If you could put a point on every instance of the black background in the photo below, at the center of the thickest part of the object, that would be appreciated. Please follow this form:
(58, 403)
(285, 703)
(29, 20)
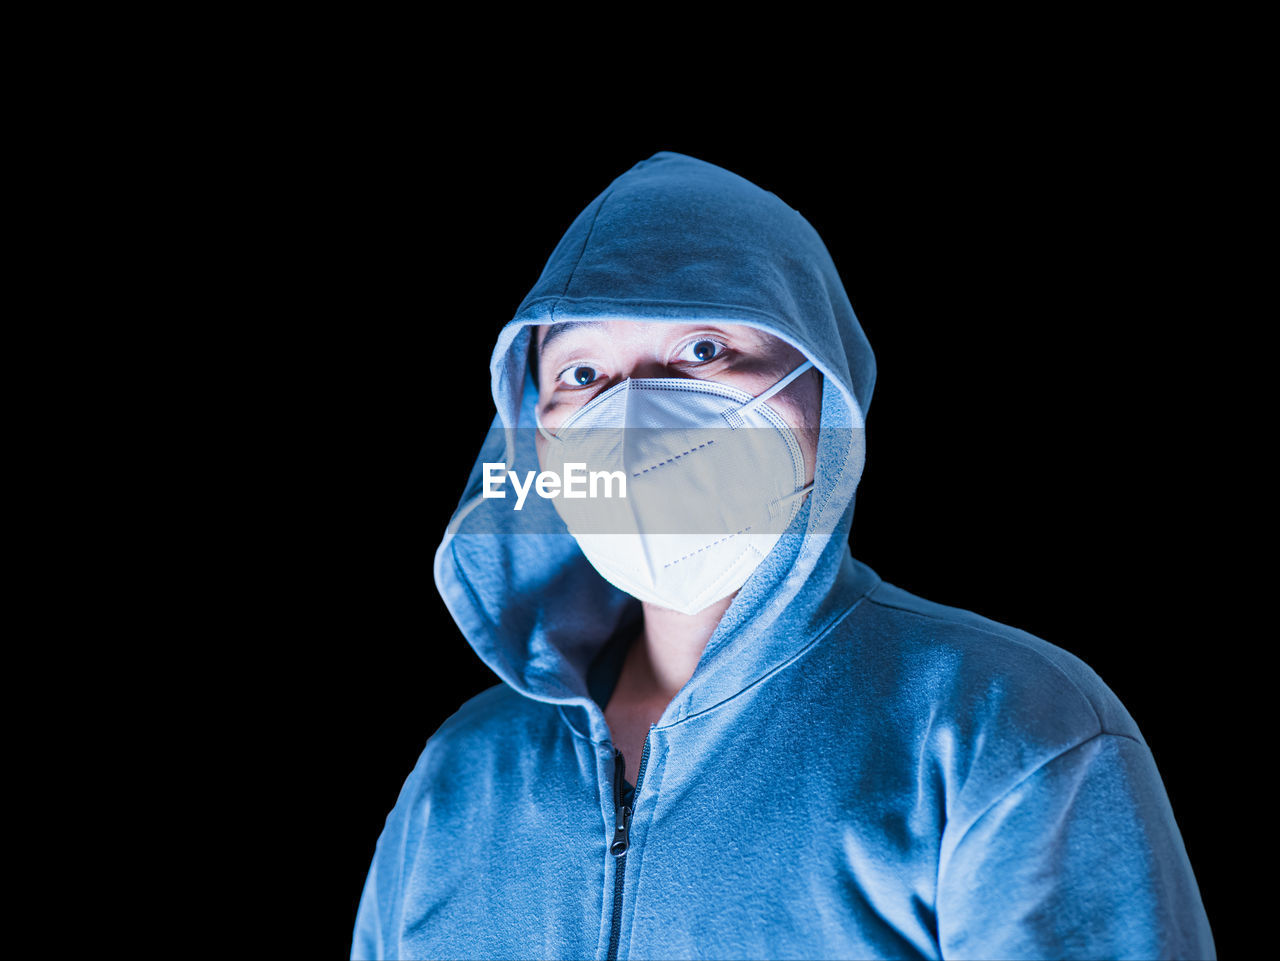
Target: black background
(1022, 271)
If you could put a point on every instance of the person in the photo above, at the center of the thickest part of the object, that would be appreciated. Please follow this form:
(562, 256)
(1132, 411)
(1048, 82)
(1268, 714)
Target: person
(716, 733)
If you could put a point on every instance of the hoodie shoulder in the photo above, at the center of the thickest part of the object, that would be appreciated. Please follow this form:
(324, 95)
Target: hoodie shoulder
(1033, 677)
(978, 706)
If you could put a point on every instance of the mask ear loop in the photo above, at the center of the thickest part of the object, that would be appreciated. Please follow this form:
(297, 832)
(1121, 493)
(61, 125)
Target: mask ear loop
(774, 507)
(542, 430)
(735, 417)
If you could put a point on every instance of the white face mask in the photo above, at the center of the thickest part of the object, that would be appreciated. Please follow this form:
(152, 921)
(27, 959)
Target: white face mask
(713, 478)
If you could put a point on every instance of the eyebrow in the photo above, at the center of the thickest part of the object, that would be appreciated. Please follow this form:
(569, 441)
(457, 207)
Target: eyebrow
(555, 330)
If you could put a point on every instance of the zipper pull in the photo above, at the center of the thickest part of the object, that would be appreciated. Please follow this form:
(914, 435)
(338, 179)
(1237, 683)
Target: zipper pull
(622, 830)
(621, 841)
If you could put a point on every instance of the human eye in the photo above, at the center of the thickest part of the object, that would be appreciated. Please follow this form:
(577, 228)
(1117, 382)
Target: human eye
(578, 375)
(701, 350)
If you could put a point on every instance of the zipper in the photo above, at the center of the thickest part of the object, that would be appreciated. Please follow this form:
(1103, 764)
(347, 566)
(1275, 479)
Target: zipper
(622, 837)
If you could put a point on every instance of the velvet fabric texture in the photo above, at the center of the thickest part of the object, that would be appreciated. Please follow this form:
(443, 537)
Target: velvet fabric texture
(851, 771)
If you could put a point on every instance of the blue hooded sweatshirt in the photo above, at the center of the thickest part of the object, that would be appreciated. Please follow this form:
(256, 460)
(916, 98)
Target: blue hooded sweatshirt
(850, 772)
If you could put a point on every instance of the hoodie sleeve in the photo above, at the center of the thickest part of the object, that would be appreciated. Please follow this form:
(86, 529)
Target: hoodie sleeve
(1080, 859)
(379, 916)
(367, 940)
(379, 909)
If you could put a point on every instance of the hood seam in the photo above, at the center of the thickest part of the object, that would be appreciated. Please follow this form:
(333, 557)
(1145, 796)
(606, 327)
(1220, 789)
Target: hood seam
(581, 253)
(822, 635)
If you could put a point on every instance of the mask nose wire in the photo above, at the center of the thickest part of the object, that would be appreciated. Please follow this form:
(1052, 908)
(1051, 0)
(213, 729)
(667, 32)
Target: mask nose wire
(734, 417)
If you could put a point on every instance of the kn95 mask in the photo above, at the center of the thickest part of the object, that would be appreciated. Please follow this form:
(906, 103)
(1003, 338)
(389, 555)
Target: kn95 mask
(713, 477)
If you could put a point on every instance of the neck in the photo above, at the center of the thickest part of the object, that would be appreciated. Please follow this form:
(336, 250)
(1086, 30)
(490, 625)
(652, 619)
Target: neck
(670, 645)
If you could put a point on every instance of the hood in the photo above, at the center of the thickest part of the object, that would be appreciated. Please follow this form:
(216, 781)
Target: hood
(673, 239)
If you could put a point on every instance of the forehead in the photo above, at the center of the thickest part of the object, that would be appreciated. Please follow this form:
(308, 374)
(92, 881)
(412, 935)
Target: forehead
(547, 334)
(566, 334)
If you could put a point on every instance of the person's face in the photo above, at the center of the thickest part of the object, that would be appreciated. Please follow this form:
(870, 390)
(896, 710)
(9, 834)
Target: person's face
(579, 360)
